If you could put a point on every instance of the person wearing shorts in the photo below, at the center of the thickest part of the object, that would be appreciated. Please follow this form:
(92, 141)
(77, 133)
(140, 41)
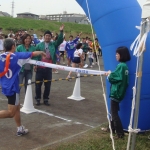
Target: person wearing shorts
(70, 48)
(78, 54)
(10, 66)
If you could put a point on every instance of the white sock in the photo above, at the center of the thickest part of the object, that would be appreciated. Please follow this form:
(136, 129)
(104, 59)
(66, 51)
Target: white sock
(19, 128)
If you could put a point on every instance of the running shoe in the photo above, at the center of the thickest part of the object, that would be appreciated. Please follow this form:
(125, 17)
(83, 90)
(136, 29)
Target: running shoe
(85, 66)
(56, 71)
(69, 78)
(22, 131)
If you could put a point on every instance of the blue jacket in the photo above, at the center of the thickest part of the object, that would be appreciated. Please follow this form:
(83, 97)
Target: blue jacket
(70, 45)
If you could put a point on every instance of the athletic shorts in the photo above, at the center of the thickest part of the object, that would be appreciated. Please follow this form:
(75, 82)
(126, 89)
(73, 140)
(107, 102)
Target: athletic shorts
(76, 60)
(70, 56)
(13, 99)
(62, 53)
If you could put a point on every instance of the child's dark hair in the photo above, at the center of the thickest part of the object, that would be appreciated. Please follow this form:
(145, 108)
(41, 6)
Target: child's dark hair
(124, 54)
(78, 45)
(8, 43)
(71, 36)
(96, 39)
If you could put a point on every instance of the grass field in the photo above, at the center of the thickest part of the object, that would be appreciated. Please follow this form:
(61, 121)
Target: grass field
(98, 140)
(39, 26)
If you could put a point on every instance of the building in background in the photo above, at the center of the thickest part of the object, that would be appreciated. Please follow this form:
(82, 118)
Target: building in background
(4, 14)
(28, 15)
(67, 17)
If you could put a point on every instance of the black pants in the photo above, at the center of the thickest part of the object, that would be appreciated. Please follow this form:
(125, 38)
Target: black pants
(43, 74)
(95, 56)
(85, 57)
(100, 52)
(116, 124)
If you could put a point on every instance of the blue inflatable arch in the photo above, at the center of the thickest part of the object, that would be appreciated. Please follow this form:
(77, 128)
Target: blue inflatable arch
(114, 22)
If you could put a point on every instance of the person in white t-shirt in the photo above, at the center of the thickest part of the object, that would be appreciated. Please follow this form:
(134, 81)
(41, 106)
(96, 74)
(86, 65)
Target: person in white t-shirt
(11, 34)
(78, 55)
(62, 50)
(41, 39)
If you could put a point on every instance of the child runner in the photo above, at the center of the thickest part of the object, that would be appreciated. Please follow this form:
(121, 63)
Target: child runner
(10, 65)
(77, 58)
(119, 80)
(70, 48)
(90, 56)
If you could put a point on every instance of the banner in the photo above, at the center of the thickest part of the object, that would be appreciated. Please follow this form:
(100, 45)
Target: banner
(59, 67)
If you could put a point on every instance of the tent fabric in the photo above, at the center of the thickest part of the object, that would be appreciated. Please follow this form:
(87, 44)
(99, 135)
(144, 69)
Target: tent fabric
(146, 10)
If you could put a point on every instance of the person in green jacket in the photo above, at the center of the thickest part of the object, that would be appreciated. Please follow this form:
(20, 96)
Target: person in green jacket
(27, 70)
(119, 80)
(43, 73)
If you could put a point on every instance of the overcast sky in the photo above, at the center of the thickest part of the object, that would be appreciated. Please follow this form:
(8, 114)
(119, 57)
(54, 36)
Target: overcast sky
(43, 7)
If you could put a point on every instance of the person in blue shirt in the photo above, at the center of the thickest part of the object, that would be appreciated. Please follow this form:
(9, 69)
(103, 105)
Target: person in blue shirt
(10, 66)
(70, 48)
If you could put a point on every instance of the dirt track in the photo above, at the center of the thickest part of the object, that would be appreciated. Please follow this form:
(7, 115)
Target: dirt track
(63, 119)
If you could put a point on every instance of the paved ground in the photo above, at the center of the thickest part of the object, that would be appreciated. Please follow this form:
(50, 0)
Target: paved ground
(63, 119)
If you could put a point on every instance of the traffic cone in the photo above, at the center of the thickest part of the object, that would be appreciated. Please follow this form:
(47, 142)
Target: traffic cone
(76, 92)
(28, 102)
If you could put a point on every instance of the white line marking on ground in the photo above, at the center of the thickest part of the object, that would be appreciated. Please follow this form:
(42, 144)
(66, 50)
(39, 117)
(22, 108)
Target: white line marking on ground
(49, 114)
(52, 115)
(44, 112)
(63, 118)
(84, 124)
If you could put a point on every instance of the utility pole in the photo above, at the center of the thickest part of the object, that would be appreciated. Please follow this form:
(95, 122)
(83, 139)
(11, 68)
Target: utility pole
(12, 9)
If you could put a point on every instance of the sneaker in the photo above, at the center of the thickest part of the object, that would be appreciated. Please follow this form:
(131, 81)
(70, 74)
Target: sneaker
(56, 71)
(22, 131)
(63, 63)
(38, 102)
(46, 103)
(93, 64)
(85, 66)
(69, 78)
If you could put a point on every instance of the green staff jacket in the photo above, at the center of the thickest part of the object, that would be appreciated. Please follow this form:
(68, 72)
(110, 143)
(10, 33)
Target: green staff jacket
(119, 80)
(85, 47)
(52, 47)
(21, 48)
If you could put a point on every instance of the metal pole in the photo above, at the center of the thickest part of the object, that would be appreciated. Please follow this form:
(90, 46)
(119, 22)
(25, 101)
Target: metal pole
(138, 91)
